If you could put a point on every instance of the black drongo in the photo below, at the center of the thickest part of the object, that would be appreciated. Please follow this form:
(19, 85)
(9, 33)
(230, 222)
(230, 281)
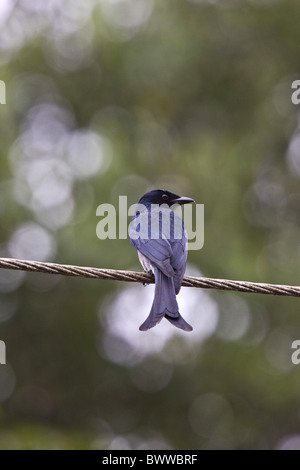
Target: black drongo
(158, 233)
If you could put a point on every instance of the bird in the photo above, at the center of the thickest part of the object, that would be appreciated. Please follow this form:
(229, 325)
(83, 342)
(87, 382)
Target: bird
(159, 236)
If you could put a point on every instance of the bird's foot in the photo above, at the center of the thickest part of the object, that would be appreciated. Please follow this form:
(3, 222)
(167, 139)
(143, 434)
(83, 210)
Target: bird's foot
(147, 271)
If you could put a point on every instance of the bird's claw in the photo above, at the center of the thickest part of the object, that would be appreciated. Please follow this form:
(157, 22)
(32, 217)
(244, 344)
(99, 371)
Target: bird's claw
(147, 271)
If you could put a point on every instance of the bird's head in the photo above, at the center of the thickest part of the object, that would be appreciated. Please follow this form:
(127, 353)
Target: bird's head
(162, 196)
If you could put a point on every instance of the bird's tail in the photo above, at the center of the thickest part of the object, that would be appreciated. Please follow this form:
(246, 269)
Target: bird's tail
(164, 304)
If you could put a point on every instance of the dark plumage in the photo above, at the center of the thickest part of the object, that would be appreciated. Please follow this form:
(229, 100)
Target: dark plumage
(159, 236)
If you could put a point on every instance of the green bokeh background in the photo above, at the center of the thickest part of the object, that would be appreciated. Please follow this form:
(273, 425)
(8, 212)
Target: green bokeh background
(107, 98)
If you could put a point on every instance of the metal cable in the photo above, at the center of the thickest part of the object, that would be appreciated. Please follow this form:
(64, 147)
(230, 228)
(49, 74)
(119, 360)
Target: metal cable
(133, 276)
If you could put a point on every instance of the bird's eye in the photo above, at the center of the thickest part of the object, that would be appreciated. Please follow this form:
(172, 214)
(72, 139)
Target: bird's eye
(165, 197)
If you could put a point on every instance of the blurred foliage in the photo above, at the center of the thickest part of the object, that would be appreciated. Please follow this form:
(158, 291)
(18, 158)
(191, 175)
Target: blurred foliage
(108, 98)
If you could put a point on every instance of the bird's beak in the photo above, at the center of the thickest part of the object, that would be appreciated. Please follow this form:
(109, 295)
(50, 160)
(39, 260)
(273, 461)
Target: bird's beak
(183, 200)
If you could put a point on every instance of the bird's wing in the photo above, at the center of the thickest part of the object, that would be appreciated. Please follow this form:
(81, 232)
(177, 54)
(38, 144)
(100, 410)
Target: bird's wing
(158, 251)
(157, 242)
(178, 262)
